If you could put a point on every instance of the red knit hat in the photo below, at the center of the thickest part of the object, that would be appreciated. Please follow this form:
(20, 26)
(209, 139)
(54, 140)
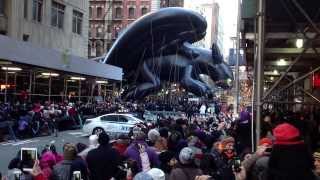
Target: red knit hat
(265, 141)
(286, 134)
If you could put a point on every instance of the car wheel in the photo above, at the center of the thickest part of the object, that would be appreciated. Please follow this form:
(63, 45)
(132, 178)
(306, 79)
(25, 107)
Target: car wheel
(97, 131)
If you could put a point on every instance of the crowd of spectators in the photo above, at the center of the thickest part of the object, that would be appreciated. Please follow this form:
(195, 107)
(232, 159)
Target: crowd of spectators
(216, 147)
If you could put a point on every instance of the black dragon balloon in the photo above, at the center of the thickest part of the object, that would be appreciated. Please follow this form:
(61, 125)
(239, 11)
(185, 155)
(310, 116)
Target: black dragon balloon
(158, 48)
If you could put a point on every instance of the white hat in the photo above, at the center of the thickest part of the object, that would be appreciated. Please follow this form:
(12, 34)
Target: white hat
(153, 135)
(186, 155)
(156, 174)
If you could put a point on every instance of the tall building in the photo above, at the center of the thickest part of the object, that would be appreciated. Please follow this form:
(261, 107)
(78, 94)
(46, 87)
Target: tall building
(210, 10)
(171, 3)
(54, 24)
(108, 18)
(44, 50)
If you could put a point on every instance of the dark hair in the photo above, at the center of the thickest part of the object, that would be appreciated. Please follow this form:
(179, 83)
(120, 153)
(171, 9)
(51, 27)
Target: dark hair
(103, 138)
(165, 158)
(81, 147)
(292, 162)
(208, 166)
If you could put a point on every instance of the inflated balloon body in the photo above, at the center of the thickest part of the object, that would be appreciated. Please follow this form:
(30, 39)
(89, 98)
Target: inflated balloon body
(157, 47)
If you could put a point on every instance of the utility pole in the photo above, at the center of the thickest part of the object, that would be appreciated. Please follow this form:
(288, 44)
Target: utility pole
(259, 68)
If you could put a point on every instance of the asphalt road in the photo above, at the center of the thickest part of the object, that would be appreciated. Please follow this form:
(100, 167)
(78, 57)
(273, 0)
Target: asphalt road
(8, 150)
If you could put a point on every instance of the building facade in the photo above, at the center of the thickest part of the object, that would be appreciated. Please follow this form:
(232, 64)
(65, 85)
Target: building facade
(108, 18)
(209, 9)
(56, 24)
(171, 3)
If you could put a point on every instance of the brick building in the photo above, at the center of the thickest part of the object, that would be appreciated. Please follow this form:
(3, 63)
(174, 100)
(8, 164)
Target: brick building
(108, 18)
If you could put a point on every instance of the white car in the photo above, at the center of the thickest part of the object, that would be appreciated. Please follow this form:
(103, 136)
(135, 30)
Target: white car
(113, 124)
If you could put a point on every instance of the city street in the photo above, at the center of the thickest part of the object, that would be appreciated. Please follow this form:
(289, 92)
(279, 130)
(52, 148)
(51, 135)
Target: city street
(8, 150)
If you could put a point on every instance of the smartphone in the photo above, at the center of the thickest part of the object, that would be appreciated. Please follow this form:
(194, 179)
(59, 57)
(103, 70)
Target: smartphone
(28, 158)
(237, 164)
(76, 175)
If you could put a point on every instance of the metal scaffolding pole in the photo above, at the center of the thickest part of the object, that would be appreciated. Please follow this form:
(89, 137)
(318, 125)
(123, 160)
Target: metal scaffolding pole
(5, 89)
(50, 80)
(237, 80)
(79, 92)
(308, 43)
(260, 71)
(30, 85)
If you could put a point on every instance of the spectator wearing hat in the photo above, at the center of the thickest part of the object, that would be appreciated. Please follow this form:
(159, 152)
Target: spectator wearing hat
(186, 168)
(290, 158)
(139, 151)
(159, 143)
(257, 163)
(103, 161)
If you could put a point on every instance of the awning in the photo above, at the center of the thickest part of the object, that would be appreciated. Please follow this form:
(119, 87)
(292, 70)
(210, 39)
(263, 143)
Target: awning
(27, 53)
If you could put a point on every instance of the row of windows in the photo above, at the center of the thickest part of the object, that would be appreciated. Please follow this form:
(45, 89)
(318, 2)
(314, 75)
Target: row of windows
(57, 15)
(118, 12)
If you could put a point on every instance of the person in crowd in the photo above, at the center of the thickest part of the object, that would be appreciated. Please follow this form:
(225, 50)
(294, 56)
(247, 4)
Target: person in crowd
(159, 143)
(58, 156)
(290, 158)
(121, 144)
(103, 161)
(63, 170)
(47, 162)
(79, 164)
(139, 151)
(186, 169)
(266, 126)
(168, 162)
(257, 163)
(316, 156)
(93, 143)
(223, 154)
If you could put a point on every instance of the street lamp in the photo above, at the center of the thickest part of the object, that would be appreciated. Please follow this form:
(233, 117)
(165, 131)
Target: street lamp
(282, 62)
(11, 68)
(299, 43)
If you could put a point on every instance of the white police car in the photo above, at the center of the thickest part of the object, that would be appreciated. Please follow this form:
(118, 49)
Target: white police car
(113, 124)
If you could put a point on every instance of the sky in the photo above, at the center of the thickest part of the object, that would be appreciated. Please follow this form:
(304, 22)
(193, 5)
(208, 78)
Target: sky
(229, 12)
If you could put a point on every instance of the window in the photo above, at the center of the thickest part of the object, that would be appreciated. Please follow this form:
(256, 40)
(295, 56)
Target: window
(37, 10)
(144, 11)
(112, 118)
(118, 12)
(99, 12)
(90, 12)
(131, 13)
(57, 15)
(25, 37)
(99, 48)
(25, 9)
(108, 28)
(2, 7)
(99, 32)
(122, 119)
(77, 22)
